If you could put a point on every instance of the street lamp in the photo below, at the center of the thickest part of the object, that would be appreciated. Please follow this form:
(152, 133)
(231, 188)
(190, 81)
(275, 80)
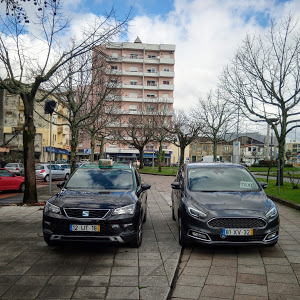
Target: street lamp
(49, 109)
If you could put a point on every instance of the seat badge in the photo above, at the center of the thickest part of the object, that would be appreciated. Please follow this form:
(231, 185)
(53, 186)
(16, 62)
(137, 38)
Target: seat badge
(85, 213)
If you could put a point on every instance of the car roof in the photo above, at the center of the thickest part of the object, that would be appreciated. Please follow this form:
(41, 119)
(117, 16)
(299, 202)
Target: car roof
(212, 164)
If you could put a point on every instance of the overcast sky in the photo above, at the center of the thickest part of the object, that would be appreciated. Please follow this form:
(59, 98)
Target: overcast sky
(206, 33)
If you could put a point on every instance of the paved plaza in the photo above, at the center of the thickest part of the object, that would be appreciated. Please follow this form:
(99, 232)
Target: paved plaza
(29, 269)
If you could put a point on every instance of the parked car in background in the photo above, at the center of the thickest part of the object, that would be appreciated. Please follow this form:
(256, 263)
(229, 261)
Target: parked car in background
(66, 167)
(217, 203)
(209, 159)
(15, 168)
(10, 181)
(42, 171)
(99, 203)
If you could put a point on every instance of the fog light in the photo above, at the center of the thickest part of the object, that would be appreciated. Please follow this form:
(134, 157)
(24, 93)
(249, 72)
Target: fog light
(200, 235)
(271, 235)
(115, 226)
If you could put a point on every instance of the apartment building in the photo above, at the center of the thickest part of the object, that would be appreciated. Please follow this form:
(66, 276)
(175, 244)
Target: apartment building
(12, 120)
(145, 76)
(294, 149)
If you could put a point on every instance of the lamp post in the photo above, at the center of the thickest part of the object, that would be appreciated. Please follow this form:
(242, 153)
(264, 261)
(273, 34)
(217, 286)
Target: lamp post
(49, 109)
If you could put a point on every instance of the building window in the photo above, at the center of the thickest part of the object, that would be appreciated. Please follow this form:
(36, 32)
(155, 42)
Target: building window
(164, 146)
(165, 96)
(151, 70)
(114, 55)
(249, 149)
(165, 108)
(150, 108)
(114, 67)
(151, 83)
(204, 148)
(113, 80)
(150, 147)
(167, 56)
(151, 56)
(166, 69)
(131, 147)
(113, 145)
(166, 82)
(133, 69)
(133, 95)
(151, 95)
(132, 107)
(194, 147)
(133, 82)
(133, 55)
(226, 148)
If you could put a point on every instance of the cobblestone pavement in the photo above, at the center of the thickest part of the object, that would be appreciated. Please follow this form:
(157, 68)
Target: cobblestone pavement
(29, 269)
(244, 273)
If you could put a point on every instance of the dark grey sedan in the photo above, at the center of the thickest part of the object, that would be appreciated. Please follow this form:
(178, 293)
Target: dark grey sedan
(217, 203)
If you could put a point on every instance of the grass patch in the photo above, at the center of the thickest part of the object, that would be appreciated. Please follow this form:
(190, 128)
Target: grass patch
(164, 170)
(274, 169)
(286, 191)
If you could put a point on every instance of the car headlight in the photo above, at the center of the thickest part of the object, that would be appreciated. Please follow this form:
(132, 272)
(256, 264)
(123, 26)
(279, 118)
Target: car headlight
(51, 208)
(125, 210)
(270, 210)
(195, 212)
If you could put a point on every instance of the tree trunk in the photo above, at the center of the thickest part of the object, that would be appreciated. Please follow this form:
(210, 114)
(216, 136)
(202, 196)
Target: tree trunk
(93, 139)
(281, 144)
(215, 149)
(159, 156)
(74, 142)
(141, 157)
(181, 155)
(101, 152)
(30, 194)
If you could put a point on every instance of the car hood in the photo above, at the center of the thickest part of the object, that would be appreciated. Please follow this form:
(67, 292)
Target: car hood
(228, 203)
(80, 199)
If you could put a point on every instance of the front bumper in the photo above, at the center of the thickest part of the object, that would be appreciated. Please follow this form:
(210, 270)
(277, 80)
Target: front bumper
(112, 230)
(199, 231)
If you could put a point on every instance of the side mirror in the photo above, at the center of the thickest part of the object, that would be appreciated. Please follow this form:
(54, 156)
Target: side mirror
(145, 186)
(61, 184)
(264, 185)
(175, 185)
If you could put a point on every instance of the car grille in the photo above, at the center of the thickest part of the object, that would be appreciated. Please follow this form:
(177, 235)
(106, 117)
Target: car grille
(63, 228)
(78, 213)
(237, 223)
(238, 239)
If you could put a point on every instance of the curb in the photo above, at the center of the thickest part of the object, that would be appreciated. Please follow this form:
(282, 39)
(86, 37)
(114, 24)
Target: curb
(285, 202)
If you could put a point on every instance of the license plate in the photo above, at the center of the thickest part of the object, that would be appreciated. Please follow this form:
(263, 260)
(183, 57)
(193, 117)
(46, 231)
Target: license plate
(237, 232)
(90, 228)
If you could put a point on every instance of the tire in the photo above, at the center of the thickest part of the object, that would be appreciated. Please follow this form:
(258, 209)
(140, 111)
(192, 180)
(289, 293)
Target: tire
(67, 176)
(145, 215)
(22, 187)
(46, 179)
(182, 234)
(139, 236)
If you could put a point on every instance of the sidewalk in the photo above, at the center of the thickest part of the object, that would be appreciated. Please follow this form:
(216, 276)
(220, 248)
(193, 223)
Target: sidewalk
(29, 269)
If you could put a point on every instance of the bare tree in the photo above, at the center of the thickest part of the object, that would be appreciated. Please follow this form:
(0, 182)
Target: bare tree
(161, 131)
(185, 130)
(264, 80)
(23, 73)
(215, 118)
(138, 132)
(85, 94)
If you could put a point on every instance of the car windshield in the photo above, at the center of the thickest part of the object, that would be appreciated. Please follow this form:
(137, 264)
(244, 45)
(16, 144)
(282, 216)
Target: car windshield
(101, 179)
(217, 179)
(11, 165)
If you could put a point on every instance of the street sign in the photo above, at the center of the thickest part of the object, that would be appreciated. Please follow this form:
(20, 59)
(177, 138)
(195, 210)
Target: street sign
(87, 151)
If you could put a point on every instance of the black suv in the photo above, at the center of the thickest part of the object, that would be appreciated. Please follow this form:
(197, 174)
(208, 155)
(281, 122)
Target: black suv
(99, 203)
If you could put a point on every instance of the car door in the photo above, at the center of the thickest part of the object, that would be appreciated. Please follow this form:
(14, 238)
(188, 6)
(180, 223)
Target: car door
(143, 194)
(54, 171)
(177, 193)
(60, 172)
(7, 181)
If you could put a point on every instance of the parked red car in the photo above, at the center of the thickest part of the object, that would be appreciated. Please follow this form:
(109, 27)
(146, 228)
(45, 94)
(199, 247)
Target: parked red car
(10, 181)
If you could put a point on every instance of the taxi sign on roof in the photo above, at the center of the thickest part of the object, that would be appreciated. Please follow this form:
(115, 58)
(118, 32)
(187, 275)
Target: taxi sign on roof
(105, 162)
